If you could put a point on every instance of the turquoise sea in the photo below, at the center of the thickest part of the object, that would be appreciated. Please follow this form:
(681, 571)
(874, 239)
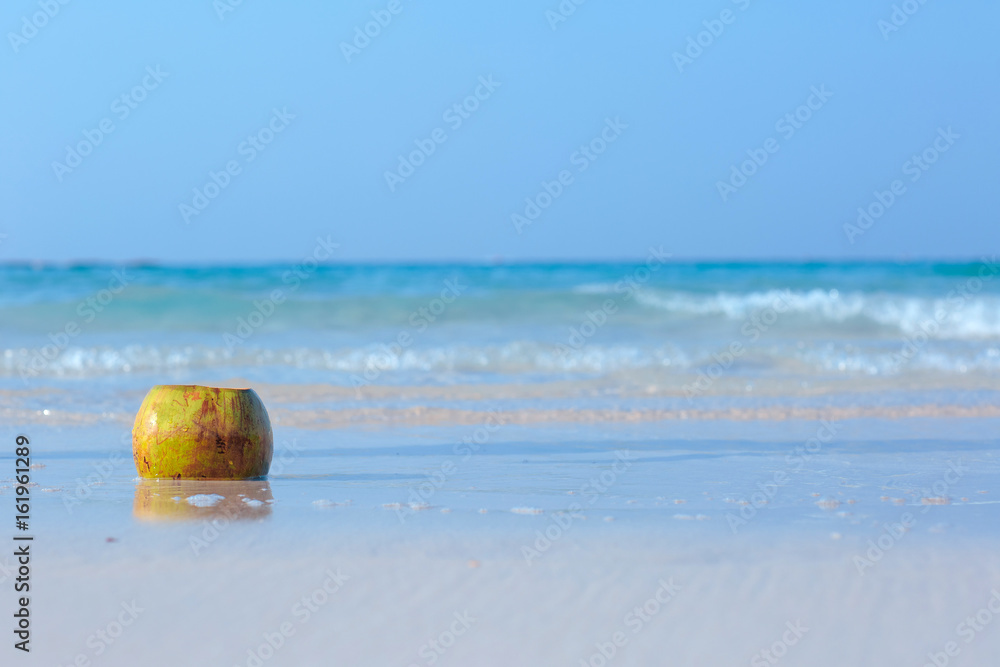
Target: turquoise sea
(457, 323)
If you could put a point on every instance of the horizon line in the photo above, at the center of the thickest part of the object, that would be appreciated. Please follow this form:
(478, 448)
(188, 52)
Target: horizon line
(499, 261)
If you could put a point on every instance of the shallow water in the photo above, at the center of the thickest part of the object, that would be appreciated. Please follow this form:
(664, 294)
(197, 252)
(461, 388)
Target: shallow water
(883, 530)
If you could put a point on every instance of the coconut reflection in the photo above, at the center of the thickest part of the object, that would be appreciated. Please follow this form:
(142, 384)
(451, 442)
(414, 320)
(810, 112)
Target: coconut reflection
(197, 500)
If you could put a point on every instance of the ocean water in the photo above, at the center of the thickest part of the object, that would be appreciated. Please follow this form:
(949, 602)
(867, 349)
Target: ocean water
(498, 396)
(523, 323)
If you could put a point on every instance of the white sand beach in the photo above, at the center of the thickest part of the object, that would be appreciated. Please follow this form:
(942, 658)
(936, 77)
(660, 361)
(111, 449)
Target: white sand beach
(716, 542)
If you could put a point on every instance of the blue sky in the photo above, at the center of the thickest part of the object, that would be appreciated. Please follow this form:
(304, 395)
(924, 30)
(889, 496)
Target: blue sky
(203, 87)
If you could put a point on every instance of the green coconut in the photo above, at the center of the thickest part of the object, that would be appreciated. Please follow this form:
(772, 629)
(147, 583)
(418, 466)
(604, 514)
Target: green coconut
(194, 432)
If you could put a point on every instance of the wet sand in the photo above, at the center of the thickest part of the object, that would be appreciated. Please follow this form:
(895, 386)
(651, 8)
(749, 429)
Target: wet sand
(856, 541)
